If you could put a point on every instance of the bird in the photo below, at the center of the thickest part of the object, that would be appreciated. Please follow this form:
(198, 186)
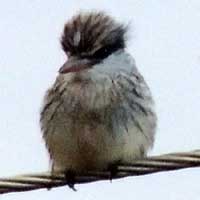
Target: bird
(99, 112)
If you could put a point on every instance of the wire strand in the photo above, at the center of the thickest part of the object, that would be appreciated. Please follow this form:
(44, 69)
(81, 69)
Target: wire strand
(153, 164)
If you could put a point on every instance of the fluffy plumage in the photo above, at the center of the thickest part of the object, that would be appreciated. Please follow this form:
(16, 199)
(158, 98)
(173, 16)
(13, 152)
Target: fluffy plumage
(87, 33)
(102, 114)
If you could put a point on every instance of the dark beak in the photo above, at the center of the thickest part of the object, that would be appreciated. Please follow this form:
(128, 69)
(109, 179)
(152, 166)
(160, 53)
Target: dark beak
(75, 65)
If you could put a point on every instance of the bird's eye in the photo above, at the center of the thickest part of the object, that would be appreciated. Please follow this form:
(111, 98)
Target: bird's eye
(102, 53)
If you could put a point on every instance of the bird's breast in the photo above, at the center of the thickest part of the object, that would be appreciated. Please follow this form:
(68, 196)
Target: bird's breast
(88, 95)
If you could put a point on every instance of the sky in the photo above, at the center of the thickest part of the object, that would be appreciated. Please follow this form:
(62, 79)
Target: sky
(165, 42)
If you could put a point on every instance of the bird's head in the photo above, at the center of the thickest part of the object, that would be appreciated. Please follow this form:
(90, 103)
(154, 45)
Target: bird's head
(89, 38)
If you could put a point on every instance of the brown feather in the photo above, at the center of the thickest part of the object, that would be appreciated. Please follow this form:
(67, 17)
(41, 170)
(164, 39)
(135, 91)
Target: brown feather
(97, 30)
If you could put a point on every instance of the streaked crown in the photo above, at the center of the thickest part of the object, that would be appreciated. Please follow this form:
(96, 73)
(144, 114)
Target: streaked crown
(93, 34)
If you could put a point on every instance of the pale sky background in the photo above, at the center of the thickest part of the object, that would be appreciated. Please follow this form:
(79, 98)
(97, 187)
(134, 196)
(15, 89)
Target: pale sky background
(165, 41)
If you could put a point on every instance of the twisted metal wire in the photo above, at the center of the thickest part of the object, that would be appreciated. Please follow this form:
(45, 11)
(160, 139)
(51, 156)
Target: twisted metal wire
(153, 164)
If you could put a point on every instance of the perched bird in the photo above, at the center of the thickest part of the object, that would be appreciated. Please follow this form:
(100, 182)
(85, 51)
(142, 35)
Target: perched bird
(99, 111)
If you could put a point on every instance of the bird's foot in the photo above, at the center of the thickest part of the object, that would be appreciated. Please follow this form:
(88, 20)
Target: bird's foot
(70, 178)
(112, 168)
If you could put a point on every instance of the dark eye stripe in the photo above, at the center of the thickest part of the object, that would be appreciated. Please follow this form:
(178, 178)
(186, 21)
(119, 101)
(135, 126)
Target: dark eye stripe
(106, 51)
(102, 53)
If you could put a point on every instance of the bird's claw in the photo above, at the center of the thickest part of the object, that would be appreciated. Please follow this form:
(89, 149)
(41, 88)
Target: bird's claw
(113, 170)
(70, 178)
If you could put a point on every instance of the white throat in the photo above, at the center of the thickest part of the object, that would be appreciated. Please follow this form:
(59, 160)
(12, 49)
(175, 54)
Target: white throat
(118, 62)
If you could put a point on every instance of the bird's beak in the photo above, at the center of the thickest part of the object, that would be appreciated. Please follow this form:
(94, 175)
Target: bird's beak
(75, 65)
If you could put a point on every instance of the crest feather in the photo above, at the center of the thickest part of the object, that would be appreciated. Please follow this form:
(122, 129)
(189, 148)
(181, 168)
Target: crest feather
(86, 33)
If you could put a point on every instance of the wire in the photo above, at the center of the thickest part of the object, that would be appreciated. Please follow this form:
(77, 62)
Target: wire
(153, 164)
